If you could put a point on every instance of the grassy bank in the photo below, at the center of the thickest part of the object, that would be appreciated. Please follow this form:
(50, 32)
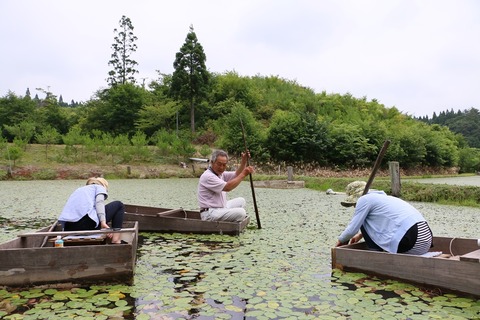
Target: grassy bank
(410, 191)
(38, 163)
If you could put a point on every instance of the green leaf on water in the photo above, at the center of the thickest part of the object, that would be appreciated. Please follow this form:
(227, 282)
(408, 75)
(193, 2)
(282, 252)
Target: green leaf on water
(142, 316)
(57, 305)
(233, 308)
(75, 304)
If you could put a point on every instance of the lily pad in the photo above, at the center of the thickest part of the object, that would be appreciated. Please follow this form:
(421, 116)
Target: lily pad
(280, 271)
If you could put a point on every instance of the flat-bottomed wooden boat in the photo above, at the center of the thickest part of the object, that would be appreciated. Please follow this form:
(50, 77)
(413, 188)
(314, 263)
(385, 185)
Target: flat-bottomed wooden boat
(32, 258)
(179, 220)
(457, 268)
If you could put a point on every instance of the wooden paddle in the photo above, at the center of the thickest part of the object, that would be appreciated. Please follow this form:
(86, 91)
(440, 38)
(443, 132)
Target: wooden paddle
(46, 237)
(376, 166)
(259, 226)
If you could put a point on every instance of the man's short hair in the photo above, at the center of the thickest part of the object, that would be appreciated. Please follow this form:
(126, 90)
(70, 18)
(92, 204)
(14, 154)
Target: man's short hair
(218, 153)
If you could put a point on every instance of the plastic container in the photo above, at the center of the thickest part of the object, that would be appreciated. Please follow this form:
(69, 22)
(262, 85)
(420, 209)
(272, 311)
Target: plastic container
(59, 242)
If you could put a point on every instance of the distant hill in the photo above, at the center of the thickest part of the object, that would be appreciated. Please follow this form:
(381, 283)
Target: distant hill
(466, 123)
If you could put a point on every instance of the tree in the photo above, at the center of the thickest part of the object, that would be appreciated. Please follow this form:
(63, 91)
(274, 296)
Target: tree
(73, 140)
(13, 153)
(140, 146)
(123, 47)
(23, 131)
(36, 99)
(232, 139)
(61, 102)
(161, 113)
(297, 137)
(117, 109)
(14, 110)
(47, 137)
(349, 147)
(50, 113)
(191, 78)
(469, 160)
(152, 118)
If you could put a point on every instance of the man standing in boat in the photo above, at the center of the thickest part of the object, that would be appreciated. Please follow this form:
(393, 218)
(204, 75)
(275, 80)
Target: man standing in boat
(385, 222)
(214, 184)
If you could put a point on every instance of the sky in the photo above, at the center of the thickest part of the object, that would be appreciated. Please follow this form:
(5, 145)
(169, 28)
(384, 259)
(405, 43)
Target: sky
(420, 56)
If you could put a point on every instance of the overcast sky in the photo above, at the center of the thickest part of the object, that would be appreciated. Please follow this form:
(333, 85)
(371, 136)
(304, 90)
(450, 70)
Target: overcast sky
(420, 56)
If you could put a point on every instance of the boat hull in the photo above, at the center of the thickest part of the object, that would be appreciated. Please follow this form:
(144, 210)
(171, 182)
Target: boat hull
(24, 262)
(178, 220)
(457, 269)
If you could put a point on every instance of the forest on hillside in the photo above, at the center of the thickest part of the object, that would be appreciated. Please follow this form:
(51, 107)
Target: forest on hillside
(283, 122)
(193, 110)
(466, 123)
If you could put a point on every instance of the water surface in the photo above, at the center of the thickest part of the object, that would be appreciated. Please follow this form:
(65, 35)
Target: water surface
(280, 271)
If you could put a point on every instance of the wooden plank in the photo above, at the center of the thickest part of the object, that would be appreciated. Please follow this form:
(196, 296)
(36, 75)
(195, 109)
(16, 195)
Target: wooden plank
(134, 209)
(186, 225)
(81, 240)
(72, 233)
(83, 264)
(454, 246)
(471, 256)
(170, 211)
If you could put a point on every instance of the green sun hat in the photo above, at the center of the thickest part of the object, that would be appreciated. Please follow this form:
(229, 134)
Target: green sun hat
(354, 191)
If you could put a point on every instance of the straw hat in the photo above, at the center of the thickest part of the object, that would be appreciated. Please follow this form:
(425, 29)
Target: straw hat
(354, 191)
(99, 181)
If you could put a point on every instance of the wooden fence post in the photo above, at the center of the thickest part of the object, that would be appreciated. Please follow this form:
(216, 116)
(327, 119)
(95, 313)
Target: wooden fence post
(290, 173)
(394, 169)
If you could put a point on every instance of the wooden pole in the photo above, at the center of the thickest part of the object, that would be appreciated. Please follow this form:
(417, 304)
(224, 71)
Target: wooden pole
(289, 173)
(394, 168)
(259, 226)
(49, 230)
(376, 166)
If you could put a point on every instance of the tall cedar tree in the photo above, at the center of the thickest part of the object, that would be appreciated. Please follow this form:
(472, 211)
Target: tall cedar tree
(123, 47)
(191, 78)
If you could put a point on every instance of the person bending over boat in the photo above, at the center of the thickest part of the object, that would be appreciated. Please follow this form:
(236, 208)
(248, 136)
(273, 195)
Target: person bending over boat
(385, 222)
(86, 210)
(214, 184)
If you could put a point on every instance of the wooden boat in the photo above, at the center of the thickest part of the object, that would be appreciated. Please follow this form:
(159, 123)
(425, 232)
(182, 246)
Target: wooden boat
(457, 268)
(179, 220)
(86, 258)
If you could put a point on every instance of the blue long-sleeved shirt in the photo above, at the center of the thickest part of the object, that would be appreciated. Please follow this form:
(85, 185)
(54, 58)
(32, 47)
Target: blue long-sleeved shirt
(386, 219)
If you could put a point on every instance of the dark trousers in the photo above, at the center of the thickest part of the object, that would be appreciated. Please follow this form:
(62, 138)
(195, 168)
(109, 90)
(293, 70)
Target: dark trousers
(407, 242)
(114, 212)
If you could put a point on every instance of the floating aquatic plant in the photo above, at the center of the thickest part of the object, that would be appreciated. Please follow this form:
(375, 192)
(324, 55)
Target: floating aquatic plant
(280, 271)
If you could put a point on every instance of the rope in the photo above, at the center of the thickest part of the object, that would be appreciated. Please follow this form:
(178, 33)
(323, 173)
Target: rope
(450, 246)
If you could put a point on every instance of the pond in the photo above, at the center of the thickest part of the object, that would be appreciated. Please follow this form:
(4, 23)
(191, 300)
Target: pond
(281, 271)
(459, 181)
